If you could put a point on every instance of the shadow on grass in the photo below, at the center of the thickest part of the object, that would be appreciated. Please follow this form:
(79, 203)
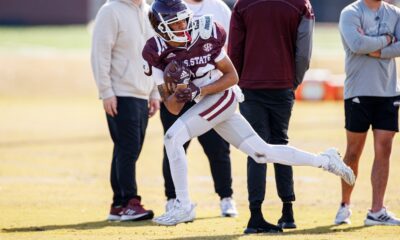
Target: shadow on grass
(79, 226)
(217, 237)
(208, 218)
(324, 230)
(86, 226)
(310, 231)
(102, 224)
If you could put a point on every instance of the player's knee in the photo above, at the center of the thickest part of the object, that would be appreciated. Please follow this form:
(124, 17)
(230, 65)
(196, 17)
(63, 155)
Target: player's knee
(172, 139)
(169, 139)
(177, 135)
(260, 157)
(352, 157)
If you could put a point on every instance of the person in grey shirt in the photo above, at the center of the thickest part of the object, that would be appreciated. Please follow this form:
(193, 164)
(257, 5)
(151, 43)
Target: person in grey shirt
(369, 31)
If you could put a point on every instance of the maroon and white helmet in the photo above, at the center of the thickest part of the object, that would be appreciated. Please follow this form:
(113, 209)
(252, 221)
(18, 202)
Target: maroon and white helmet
(165, 12)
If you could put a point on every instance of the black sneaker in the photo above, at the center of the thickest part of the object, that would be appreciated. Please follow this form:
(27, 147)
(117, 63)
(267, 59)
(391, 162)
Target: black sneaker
(261, 226)
(287, 220)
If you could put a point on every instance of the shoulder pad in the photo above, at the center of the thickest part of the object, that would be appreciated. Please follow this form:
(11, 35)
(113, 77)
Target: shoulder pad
(203, 27)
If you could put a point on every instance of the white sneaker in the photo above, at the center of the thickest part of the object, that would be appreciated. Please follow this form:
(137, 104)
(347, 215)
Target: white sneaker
(338, 167)
(169, 205)
(228, 207)
(382, 217)
(178, 214)
(343, 214)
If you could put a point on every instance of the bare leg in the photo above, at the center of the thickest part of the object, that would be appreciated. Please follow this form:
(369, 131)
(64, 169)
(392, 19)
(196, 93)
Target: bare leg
(355, 146)
(380, 170)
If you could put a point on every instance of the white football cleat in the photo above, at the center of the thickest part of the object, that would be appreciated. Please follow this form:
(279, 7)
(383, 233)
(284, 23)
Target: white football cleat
(338, 167)
(228, 207)
(382, 217)
(178, 214)
(343, 215)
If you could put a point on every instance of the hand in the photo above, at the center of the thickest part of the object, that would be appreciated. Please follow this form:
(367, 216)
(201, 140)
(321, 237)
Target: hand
(390, 38)
(195, 91)
(187, 94)
(361, 31)
(183, 95)
(110, 106)
(376, 54)
(154, 106)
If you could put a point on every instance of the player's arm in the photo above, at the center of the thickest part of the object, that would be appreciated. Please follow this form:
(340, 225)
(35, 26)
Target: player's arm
(228, 79)
(174, 95)
(171, 97)
(393, 50)
(170, 100)
(353, 34)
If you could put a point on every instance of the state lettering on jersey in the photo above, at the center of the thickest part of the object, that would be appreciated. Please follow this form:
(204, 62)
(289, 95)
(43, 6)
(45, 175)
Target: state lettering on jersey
(198, 60)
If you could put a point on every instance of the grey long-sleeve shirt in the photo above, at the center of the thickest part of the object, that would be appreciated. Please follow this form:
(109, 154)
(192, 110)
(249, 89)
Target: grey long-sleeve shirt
(365, 75)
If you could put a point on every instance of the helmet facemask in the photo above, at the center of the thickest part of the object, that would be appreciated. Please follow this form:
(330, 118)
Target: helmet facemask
(164, 30)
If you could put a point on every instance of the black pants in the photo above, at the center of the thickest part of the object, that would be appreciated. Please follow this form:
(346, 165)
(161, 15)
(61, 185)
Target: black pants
(127, 131)
(216, 149)
(268, 112)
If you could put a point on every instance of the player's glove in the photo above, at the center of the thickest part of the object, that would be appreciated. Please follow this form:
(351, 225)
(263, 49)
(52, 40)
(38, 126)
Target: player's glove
(195, 91)
(187, 94)
(183, 95)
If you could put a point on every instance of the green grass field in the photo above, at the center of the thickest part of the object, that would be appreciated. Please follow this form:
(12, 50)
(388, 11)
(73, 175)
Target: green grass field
(55, 156)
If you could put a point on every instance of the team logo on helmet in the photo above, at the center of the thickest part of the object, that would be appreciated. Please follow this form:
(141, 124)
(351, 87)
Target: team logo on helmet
(207, 47)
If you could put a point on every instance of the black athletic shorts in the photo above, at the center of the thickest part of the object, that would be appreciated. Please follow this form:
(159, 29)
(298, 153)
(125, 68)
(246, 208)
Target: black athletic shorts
(380, 112)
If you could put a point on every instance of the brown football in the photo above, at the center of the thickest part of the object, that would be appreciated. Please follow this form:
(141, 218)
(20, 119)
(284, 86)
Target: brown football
(176, 73)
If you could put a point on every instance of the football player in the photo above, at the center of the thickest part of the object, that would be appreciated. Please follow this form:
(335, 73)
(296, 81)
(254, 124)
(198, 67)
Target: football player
(187, 60)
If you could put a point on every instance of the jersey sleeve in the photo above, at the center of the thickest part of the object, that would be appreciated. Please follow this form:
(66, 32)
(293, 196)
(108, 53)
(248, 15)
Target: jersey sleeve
(151, 62)
(219, 39)
(158, 76)
(151, 58)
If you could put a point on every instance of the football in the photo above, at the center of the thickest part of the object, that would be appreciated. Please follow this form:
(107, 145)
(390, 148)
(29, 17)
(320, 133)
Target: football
(176, 73)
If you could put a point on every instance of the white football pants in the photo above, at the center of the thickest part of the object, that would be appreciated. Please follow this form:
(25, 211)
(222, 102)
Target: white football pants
(217, 111)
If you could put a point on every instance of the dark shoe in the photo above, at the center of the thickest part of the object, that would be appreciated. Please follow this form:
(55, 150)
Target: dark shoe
(134, 211)
(287, 219)
(115, 213)
(287, 225)
(261, 226)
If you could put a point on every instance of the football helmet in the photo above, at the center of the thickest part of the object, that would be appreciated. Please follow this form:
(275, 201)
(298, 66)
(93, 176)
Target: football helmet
(165, 12)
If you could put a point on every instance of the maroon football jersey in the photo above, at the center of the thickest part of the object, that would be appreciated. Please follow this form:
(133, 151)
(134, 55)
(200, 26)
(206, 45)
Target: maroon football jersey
(199, 55)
